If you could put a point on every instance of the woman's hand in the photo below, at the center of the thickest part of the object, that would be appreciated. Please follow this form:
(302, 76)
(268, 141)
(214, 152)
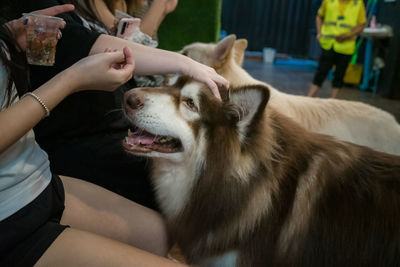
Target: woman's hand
(205, 74)
(318, 37)
(17, 27)
(170, 6)
(344, 37)
(104, 71)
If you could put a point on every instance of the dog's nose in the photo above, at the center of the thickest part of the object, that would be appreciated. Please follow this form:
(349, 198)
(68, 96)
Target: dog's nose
(133, 101)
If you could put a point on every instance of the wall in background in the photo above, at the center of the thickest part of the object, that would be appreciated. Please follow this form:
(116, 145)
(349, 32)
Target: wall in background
(286, 25)
(192, 21)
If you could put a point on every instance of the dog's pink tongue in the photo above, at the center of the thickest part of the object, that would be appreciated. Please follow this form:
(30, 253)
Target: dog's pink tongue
(142, 139)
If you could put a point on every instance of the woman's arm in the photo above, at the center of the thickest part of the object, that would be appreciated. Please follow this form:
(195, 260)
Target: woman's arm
(157, 61)
(318, 22)
(155, 15)
(106, 71)
(18, 119)
(105, 15)
(357, 30)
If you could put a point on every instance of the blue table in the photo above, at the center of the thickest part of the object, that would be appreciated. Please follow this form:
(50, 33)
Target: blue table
(369, 73)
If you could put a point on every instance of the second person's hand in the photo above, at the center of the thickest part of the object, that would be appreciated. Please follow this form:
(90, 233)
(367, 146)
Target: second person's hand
(17, 27)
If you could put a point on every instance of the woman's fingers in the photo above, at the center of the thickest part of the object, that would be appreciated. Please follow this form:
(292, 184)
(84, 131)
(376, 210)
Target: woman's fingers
(122, 61)
(129, 60)
(115, 57)
(221, 81)
(55, 10)
(52, 11)
(214, 88)
(214, 81)
(128, 66)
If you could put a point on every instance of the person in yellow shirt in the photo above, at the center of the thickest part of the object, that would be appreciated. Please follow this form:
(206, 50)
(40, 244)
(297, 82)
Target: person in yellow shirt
(338, 22)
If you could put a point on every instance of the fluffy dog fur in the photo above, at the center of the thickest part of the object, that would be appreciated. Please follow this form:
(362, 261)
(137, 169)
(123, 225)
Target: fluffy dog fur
(242, 185)
(347, 120)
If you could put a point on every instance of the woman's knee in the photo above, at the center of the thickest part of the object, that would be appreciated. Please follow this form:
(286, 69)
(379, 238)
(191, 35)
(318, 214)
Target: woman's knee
(154, 238)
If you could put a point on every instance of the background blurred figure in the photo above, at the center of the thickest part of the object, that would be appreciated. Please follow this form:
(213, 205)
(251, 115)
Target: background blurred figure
(338, 22)
(152, 12)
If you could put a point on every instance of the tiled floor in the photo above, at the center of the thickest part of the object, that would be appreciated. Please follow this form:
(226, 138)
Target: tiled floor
(297, 81)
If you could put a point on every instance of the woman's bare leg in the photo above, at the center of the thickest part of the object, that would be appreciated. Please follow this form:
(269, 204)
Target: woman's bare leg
(313, 90)
(335, 92)
(94, 209)
(79, 248)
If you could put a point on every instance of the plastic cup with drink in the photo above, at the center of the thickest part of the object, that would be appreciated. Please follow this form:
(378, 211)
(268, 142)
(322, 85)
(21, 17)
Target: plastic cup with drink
(42, 32)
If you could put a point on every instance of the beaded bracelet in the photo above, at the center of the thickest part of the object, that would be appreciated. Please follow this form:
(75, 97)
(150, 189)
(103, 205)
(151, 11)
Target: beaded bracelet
(46, 109)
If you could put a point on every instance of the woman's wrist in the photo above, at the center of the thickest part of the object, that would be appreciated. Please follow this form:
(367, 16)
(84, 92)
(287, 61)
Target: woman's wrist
(69, 79)
(183, 64)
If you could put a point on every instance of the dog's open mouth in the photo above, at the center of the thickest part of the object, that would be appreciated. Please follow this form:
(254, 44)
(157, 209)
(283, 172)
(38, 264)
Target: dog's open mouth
(140, 141)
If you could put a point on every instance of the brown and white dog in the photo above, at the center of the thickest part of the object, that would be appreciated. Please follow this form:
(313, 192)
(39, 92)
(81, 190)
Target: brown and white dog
(350, 121)
(242, 185)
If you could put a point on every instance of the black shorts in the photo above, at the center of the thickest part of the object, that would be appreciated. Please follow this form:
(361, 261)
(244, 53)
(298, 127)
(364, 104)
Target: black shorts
(28, 233)
(327, 60)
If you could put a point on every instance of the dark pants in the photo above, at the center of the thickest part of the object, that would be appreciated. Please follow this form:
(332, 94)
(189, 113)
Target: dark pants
(327, 60)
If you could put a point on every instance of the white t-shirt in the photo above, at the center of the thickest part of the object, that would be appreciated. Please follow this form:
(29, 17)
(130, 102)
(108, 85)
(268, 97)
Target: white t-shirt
(24, 167)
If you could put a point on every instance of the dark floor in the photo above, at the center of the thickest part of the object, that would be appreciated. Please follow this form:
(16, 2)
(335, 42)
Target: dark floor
(297, 81)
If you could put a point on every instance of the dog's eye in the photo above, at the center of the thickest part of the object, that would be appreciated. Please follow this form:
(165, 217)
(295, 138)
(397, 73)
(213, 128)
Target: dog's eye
(189, 103)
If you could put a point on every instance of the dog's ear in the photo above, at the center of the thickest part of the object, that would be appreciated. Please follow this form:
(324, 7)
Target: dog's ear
(239, 48)
(246, 105)
(223, 49)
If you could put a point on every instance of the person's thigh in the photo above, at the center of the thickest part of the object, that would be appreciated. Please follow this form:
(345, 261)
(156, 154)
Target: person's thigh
(94, 209)
(80, 248)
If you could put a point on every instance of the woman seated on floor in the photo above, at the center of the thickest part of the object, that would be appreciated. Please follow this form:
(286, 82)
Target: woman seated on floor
(51, 220)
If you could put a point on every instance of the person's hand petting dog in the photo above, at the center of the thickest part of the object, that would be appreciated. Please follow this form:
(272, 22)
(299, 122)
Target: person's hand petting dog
(205, 74)
(18, 27)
